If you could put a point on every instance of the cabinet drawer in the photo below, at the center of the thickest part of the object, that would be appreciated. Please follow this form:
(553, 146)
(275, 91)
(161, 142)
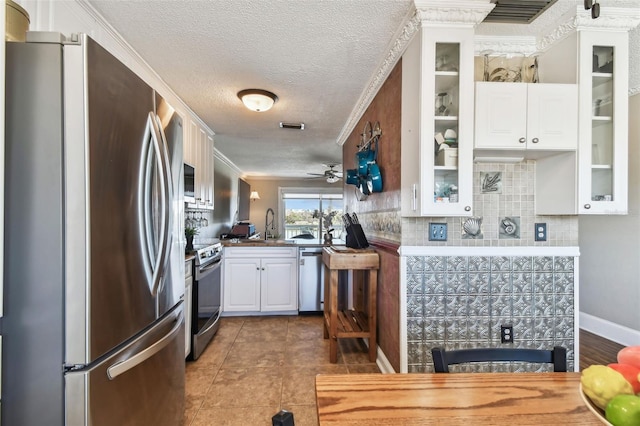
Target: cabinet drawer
(260, 252)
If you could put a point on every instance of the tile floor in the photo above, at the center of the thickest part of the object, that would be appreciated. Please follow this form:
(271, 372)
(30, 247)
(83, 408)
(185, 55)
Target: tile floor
(256, 366)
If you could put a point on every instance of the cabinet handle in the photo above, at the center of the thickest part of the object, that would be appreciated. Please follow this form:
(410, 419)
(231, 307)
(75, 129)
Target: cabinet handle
(258, 268)
(522, 140)
(263, 269)
(535, 140)
(587, 206)
(414, 201)
(467, 208)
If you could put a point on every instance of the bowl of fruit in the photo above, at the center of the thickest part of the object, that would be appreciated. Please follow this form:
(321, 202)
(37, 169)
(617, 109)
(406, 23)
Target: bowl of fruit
(612, 392)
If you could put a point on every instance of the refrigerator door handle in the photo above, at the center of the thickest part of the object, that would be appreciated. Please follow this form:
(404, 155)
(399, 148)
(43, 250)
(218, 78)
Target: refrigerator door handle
(154, 151)
(123, 366)
(162, 153)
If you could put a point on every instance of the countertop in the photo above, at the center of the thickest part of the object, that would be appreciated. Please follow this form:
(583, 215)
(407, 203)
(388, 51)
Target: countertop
(296, 242)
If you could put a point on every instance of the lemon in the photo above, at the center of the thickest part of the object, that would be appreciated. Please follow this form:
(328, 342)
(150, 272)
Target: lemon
(601, 383)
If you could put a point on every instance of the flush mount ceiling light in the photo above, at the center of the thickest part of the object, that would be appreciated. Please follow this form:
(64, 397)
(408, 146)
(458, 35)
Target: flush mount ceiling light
(257, 99)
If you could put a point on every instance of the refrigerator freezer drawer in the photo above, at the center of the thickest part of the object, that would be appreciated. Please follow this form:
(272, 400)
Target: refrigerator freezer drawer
(128, 387)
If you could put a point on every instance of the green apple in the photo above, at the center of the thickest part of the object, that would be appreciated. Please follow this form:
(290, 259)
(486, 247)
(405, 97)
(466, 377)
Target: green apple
(623, 410)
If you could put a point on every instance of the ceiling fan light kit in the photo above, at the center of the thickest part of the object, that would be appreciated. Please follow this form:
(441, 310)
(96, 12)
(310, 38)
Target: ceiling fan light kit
(331, 175)
(257, 100)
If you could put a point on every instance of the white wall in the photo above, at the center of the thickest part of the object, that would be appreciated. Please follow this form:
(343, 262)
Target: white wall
(610, 257)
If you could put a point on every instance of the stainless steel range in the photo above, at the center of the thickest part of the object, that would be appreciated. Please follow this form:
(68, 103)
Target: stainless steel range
(207, 294)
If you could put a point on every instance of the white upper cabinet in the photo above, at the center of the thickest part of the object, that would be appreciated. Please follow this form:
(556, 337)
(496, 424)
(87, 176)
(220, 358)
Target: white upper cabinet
(199, 153)
(437, 123)
(603, 164)
(210, 175)
(526, 116)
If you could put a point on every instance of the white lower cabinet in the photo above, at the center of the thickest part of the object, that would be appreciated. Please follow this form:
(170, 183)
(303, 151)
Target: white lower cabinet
(279, 285)
(242, 285)
(260, 279)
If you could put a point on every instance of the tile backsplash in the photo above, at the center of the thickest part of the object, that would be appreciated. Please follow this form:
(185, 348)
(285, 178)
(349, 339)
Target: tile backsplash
(462, 301)
(514, 201)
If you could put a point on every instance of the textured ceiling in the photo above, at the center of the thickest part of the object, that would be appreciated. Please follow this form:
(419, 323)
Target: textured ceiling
(318, 56)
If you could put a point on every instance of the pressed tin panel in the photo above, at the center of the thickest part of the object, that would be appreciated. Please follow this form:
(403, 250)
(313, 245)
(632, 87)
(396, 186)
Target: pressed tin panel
(462, 301)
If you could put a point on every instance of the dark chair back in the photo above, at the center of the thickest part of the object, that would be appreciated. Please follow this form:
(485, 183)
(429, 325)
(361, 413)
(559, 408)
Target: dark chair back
(443, 358)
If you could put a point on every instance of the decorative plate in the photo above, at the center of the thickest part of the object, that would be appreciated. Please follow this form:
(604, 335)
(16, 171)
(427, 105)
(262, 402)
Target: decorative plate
(599, 413)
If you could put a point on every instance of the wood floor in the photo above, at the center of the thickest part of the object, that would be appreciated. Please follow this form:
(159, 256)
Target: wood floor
(596, 350)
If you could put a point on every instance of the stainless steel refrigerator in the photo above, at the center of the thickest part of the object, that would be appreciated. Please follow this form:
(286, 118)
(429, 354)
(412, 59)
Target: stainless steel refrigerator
(94, 268)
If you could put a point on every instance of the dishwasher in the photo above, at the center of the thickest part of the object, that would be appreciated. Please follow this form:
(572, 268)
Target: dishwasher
(311, 281)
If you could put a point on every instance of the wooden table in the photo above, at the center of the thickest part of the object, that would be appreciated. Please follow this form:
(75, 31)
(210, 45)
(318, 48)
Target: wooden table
(468, 399)
(349, 323)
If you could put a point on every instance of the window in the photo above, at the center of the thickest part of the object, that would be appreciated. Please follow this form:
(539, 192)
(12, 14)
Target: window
(309, 213)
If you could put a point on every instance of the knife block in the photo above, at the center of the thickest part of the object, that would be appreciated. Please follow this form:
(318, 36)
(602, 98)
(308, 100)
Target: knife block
(355, 237)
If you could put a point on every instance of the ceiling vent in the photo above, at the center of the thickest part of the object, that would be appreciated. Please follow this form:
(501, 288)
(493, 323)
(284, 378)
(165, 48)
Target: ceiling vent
(295, 126)
(517, 11)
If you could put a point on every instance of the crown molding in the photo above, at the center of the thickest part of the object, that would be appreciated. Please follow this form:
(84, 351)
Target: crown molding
(622, 19)
(406, 33)
(465, 13)
(504, 45)
(224, 159)
(560, 30)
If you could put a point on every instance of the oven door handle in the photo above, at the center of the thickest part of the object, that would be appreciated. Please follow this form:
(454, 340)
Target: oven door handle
(209, 324)
(209, 268)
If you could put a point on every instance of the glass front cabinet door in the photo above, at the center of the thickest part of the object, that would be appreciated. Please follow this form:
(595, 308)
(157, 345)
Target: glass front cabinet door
(446, 117)
(603, 115)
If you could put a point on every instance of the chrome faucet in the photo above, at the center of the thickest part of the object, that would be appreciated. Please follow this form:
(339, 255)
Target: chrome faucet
(267, 223)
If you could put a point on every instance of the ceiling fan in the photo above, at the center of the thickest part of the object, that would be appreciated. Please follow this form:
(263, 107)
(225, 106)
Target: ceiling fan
(331, 175)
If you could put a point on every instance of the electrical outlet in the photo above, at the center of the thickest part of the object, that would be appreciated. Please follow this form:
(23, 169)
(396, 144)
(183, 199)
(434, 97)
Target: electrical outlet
(506, 334)
(541, 232)
(437, 232)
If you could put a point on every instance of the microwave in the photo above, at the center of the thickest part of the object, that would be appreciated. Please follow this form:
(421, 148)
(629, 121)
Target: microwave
(189, 184)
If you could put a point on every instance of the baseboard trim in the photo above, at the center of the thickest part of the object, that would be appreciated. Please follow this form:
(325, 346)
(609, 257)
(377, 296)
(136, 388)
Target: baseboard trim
(382, 361)
(610, 330)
